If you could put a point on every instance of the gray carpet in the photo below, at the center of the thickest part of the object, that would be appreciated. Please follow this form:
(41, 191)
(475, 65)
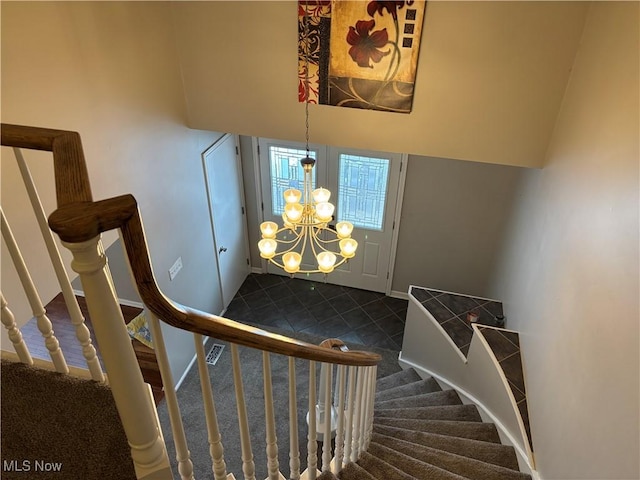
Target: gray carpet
(416, 443)
(51, 418)
(190, 400)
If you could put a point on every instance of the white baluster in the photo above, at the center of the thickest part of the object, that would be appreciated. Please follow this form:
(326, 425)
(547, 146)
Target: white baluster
(77, 319)
(183, 456)
(326, 418)
(248, 466)
(43, 322)
(312, 445)
(371, 388)
(294, 449)
(216, 450)
(348, 453)
(129, 391)
(273, 466)
(9, 322)
(364, 408)
(339, 454)
(357, 414)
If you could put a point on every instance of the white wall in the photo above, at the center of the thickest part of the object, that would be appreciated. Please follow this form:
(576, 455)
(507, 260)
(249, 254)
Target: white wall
(490, 79)
(110, 71)
(454, 216)
(569, 275)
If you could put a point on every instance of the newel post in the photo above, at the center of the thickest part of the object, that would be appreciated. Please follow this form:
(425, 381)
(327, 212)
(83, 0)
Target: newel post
(130, 393)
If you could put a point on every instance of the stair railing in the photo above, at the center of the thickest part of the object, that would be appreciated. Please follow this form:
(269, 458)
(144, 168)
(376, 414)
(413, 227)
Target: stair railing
(77, 319)
(79, 222)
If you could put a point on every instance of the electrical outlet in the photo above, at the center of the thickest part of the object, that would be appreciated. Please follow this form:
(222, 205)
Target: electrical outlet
(175, 268)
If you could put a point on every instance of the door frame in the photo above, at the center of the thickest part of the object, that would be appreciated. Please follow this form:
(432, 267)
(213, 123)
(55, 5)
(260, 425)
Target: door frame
(240, 181)
(397, 210)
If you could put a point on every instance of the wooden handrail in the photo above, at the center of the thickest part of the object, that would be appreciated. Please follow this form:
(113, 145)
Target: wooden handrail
(79, 219)
(70, 169)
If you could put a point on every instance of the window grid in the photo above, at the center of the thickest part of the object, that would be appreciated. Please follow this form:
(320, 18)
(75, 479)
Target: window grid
(286, 172)
(362, 190)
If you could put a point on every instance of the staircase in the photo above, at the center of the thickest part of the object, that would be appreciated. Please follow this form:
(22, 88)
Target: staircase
(423, 432)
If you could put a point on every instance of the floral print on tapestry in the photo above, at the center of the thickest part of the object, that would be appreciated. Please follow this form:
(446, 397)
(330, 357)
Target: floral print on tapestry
(361, 54)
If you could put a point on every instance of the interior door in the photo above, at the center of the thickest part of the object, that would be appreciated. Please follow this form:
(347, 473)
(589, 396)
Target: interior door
(223, 174)
(364, 187)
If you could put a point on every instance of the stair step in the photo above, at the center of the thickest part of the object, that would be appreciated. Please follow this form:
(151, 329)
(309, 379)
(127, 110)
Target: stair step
(485, 432)
(493, 453)
(465, 413)
(467, 467)
(328, 475)
(408, 464)
(380, 469)
(396, 379)
(410, 389)
(445, 397)
(353, 471)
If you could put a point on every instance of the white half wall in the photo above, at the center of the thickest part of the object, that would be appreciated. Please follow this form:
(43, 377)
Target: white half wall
(569, 272)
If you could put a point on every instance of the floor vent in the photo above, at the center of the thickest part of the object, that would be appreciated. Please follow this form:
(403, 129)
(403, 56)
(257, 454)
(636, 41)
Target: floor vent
(214, 353)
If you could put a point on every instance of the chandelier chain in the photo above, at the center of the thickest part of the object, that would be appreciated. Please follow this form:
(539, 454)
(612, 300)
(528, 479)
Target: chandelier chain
(306, 47)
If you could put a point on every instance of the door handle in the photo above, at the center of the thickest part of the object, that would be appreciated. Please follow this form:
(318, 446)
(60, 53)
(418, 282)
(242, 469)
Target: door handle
(222, 250)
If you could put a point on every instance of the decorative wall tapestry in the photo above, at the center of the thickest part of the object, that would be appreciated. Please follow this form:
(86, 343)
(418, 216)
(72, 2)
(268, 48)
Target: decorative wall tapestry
(362, 54)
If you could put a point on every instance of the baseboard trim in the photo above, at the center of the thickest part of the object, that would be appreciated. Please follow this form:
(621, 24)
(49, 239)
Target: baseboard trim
(485, 413)
(121, 301)
(399, 294)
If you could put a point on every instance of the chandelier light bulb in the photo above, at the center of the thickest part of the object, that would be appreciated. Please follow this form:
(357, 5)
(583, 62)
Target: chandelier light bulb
(348, 247)
(268, 229)
(291, 262)
(324, 211)
(293, 212)
(292, 195)
(326, 261)
(267, 247)
(344, 229)
(321, 195)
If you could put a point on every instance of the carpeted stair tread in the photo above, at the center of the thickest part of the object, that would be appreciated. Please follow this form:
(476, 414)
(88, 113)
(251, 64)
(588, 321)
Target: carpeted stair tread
(353, 471)
(485, 432)
(328, 475)
(396, 379)
(464, 413)
(444, 397)
(409, 389)
(494, 453)
(408, 464)
(380, 469)
(50, 416)
(464, 466)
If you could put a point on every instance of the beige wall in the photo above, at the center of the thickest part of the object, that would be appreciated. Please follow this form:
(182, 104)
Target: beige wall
(110, 71)
(490, 79)
(570, 270)
(453, 219)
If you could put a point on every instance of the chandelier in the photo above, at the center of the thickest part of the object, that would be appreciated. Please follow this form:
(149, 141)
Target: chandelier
(306, 218)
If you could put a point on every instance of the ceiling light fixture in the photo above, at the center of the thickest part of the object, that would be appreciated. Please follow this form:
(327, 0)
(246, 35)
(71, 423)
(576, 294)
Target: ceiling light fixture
(307, 216)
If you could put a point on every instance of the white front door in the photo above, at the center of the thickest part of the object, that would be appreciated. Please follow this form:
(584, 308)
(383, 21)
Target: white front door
(364, 188)
(223, 174)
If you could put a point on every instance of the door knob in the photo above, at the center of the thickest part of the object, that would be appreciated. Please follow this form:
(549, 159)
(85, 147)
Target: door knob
(222, 249)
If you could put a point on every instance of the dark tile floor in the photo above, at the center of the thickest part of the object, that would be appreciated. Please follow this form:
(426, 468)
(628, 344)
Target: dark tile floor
(291, 304)
(450, 311)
